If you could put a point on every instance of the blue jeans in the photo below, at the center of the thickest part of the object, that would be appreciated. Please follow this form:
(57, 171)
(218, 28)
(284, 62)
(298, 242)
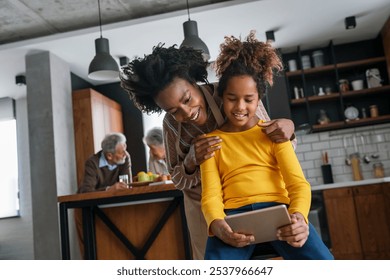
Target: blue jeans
(313, 249)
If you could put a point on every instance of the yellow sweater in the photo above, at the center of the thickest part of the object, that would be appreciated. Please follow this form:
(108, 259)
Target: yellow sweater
(250, 168)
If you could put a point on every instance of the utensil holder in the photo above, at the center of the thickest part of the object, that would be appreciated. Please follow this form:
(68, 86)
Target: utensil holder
(327, 174)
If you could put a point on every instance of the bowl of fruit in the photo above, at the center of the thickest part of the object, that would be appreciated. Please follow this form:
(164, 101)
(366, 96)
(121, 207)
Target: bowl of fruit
(145, 178)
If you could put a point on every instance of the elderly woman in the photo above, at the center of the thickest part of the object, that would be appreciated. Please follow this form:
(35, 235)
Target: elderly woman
(155, 142)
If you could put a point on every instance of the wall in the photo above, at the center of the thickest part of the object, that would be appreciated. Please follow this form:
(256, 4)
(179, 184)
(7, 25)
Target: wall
(311, 146)
(16, 236)
(46, 162)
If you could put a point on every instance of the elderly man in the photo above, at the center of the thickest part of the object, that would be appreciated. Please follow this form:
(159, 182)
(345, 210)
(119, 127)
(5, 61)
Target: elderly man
(103, 169)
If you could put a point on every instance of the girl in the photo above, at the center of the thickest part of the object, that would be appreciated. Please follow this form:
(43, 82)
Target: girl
(249, 171)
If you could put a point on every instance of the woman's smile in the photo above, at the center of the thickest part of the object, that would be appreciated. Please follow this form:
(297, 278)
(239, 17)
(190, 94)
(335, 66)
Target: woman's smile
(184, 101)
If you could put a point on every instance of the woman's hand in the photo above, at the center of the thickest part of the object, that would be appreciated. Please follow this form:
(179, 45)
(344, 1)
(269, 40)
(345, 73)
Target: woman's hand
(223, 231)
(296, 233)
(279, 130)
(202, 148)
(205, 147)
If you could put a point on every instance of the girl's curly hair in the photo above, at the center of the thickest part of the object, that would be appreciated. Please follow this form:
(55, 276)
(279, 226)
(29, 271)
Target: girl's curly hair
(249, 57)
(144, 78)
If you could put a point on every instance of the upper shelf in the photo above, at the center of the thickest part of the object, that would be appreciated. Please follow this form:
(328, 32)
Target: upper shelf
(351, 123)
(336, 95)
(332, 67)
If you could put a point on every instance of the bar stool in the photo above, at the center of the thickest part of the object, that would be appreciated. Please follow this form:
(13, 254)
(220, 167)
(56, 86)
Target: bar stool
(264, 251)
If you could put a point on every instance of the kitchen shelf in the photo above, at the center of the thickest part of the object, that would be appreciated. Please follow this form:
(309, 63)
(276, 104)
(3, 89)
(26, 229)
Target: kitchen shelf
(350, 123)
(325, 68)
(348, 61)
(332, 67)
(336, 95)
(316, 98)
(363, 62)
(367, 91)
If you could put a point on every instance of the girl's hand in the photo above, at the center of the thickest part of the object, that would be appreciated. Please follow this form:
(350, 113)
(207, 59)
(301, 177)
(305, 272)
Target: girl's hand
(296, 233)
(279, 130)
(223, 231)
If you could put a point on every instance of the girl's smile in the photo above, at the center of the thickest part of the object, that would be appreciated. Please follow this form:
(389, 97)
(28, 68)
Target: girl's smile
(240, 101)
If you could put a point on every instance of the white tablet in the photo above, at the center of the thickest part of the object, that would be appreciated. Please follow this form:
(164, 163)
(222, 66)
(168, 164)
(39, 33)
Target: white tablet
(262, 223)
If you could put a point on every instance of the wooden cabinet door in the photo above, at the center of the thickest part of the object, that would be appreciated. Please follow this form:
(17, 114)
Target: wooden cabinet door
(112, 117)
(97, 119)
(94, 115)
(343, 224)
(371, 209)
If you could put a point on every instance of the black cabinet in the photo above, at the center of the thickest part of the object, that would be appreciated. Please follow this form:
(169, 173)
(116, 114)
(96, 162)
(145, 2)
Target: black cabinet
(340, 62)
(276, 100)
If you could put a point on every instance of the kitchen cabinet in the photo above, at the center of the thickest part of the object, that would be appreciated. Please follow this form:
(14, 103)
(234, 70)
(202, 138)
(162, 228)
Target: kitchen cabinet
(359, 221)
(276, 99)
(347, 61)
(94, 115)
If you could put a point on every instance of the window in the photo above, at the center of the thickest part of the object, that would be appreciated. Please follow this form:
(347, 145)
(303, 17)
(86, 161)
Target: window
(9, 198)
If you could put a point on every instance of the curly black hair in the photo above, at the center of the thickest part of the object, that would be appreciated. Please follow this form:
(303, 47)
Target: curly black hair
(144, 78)
(249, 57)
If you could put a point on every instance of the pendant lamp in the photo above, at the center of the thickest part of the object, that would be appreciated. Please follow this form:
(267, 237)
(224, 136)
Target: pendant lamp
(191, 37)
(270, 36)
(103, 66)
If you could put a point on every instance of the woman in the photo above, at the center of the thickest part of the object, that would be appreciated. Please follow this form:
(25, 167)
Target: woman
(155, 142)
(168, 80)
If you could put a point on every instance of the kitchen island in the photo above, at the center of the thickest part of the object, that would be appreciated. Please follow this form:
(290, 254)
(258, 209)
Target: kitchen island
(143, 222)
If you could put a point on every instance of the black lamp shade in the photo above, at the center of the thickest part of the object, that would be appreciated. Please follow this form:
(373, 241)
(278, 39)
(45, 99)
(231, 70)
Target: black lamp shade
(191, 39)
(123, 60)
(20, 80)
(270, 36)
(350, 22)
(103, 66)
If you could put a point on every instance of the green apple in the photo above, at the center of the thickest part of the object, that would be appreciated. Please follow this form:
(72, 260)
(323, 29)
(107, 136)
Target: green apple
(154, 177)
(142, 177)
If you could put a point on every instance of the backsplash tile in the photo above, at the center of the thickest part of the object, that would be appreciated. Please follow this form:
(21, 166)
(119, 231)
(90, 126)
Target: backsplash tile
(311, 146)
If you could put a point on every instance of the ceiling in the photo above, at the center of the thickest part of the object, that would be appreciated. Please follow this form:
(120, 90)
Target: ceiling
(68, 28)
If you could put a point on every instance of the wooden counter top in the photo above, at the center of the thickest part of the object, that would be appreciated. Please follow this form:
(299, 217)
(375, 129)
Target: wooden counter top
(351, 184)
(116, 193)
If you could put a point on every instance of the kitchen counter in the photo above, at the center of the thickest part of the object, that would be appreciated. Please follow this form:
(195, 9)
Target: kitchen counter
(158, 229)
(350, 184)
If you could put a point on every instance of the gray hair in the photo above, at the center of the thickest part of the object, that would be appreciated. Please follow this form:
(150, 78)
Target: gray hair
(154, 137)
(111, 140)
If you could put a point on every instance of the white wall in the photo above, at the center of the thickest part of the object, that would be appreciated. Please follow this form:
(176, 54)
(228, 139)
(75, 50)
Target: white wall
(16, 235)
(310, 147)
(35, 234)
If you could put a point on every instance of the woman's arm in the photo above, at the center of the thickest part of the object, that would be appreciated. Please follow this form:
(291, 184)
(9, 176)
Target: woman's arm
(175, 162)
(184, 169)
(279, 130)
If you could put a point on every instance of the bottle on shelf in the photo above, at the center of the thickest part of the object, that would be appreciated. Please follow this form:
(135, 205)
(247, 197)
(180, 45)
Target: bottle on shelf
(296, 92)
